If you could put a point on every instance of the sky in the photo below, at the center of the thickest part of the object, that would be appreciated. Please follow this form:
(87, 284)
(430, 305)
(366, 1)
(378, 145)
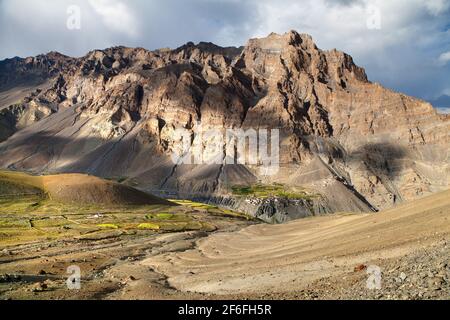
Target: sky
(402, 44)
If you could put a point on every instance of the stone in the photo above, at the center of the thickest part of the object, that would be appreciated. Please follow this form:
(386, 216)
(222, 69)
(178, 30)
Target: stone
(360, 267)
(39, 287)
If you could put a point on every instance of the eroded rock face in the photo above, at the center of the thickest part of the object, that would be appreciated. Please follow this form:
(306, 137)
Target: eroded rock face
(114, 113)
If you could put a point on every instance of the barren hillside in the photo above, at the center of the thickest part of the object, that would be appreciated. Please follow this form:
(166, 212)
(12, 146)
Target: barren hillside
(317, 257)
(113, 113)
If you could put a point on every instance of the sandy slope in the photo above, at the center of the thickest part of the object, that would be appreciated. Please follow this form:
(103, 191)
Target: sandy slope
(281, 259)
(17, 94)
(77, 188)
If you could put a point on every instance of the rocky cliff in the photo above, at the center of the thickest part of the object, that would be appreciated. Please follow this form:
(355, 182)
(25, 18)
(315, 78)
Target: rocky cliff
(113, 113)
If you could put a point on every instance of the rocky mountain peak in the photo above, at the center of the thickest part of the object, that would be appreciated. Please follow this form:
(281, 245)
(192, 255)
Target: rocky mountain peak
(114, 112)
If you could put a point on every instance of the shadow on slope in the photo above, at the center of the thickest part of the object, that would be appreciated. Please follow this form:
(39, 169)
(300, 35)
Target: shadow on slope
(383, 159)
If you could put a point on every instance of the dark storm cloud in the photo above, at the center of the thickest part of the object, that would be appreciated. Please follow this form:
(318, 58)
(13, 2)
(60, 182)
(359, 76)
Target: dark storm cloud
(409, 53)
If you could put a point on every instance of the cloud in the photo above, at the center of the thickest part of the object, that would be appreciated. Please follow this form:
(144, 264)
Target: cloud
(437, 7)
(401, 54)
(444, 58)
(444, 110)
(116, 15)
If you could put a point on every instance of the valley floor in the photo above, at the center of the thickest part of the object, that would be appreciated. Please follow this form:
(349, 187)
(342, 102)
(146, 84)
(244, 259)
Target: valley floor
(327, 257)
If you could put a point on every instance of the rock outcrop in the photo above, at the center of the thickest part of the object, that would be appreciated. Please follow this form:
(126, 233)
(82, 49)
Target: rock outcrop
(114, 113)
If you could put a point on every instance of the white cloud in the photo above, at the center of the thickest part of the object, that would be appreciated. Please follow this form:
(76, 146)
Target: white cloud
(403, 54)
(343, 24)
(444, 110)
(437, 7)
(116, 15)
(444, 58)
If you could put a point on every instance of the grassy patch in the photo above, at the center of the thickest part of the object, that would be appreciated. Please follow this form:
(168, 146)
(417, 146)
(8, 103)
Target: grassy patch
(149, 226)
(164, 216)
(22, 179)
(274, 190)
(12, 222)
(49, 222)
(218, 212)
(187, 226)
(29, 215)
(108, 226)
(18, 205)
(192, 204)
(168, 217)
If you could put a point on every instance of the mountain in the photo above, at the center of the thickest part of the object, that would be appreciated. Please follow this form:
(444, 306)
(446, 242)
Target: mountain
(352, 144)
(74, 188)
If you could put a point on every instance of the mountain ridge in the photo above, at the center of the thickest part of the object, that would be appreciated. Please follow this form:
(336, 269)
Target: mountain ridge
(114, 112)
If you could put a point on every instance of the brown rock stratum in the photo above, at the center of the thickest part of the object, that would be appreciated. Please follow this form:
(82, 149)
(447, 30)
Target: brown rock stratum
(113, 113)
